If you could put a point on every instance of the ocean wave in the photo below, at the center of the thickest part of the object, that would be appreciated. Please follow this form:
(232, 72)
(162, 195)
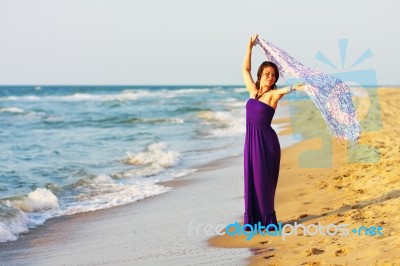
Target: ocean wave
(221, 119)
(190, 109)
(24, 115)
(189, 91)
(125, 95)
(222, 123)
(239, 90)
(14, 110)
(172, 120)
(20, 214)
(231, 102)
(155, 159)
(39, 200)
(104, 192)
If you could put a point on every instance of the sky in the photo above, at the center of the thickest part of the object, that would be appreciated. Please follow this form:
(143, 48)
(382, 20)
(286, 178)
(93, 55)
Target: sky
(187, 42)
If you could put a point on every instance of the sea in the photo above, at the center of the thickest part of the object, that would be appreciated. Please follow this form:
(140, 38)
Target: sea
(73, 149)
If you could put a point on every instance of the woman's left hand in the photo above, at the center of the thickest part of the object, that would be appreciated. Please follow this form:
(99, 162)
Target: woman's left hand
(253, 40)
(299, 86)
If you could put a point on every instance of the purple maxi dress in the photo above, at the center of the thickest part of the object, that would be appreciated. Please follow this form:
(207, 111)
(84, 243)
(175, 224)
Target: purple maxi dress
(262, 155)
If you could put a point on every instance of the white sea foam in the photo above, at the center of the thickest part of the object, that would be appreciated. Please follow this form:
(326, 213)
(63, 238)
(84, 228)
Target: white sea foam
(154, 160)
(172, 120)
(105, 193)
(156, 153)
(149, 167)
(39, 200)
(5, 233)
(221, 119)
(101, 192)
(189, 91)
(15, 110)
(10, 228)
(240, 90)
(27, 212)
(175, 173)
(223, 123)
(234, 103)
(126, 95)
(18, 98)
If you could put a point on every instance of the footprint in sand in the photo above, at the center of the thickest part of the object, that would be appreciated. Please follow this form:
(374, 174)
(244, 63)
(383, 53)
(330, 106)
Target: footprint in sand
(357, 217)
(322, 185)
(341, 221)
(311, 177)
(258, 251)
(340, 252)
(314, 251)
(265, 242)
(302, 216)
(269, 257)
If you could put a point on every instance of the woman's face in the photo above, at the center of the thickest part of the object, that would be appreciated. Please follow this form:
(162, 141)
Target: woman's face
(268, 77)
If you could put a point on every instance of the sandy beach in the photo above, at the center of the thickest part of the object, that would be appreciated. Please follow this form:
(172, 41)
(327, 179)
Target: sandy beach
(171, 228)
(364, 192)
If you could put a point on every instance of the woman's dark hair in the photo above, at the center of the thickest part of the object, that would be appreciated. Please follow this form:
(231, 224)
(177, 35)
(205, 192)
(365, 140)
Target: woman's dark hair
(261, 69)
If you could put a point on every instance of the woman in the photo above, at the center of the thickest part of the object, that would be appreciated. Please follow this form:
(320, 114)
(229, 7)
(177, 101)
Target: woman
(262, 151)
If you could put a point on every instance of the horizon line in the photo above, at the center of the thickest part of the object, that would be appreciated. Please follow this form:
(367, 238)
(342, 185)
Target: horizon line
(158, 85)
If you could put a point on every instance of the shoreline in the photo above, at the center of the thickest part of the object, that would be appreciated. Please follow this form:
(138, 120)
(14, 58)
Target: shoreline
(39, 245)
(155, 230)
(127, 234)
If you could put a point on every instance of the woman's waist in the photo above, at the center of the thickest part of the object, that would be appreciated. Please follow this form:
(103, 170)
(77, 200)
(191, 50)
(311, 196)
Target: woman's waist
(259, 124)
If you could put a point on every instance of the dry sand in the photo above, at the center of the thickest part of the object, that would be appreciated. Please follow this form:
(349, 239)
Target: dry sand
(361, 191)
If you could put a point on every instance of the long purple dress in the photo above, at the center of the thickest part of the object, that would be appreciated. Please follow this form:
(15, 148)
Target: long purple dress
(262, 155)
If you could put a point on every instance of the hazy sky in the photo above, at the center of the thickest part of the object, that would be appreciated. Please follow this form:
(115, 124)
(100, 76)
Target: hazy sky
(178, 42)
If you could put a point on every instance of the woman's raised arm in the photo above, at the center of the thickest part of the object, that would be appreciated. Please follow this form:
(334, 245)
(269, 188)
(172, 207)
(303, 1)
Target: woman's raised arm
(246, 68)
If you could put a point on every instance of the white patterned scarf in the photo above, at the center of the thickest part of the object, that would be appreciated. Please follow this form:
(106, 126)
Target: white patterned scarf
(331, 95)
